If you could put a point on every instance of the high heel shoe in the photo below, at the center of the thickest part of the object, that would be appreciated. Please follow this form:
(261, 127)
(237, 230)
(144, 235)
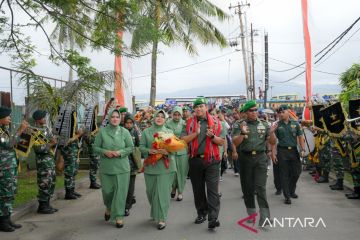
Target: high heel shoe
(120, 224)
(161, 225)
(107, 217)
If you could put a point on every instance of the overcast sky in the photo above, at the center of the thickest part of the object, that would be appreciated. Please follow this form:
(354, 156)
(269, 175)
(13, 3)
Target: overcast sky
(224, 67)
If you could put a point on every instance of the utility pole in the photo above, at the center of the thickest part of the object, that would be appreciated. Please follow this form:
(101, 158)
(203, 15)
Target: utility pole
(238, 11)
(266, 69)
(252, 63)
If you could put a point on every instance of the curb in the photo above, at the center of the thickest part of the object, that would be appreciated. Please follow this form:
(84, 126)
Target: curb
(31, 207)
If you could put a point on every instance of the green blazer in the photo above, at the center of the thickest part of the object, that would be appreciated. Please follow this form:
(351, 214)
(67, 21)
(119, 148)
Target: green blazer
(112, 138)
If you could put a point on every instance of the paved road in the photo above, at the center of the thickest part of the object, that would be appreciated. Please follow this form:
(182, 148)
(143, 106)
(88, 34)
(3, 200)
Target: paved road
(83, 219)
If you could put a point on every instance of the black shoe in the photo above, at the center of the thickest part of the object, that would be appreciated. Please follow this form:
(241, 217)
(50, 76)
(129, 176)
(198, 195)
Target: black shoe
(278, 192)
(133, 201)
(338, 185)
(14, 225)
(161, 226)
(353, 195)
(294, 195)
(287, 201)
(213, 224)
(323, 179)
(5, 224)
(127, 212)
(172, 195)
(69, 195)
(106, 217)
(44, 208)
(78, 195)
(200, 219)
(94, 185)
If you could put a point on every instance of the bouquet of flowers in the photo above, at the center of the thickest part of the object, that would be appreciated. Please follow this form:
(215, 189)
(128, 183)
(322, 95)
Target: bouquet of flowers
(167, 141)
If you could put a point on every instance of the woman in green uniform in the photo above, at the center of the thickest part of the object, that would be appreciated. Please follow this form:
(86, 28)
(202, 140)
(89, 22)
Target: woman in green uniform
(114, 144)
(158, 177)
(181, 158)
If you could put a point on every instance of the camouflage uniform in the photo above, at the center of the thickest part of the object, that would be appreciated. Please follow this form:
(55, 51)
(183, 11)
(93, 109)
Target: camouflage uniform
(94, 160)
(354, 152)
(337, 161)
(69, 153)
(325, 161)
(8, 172)
(45, 165)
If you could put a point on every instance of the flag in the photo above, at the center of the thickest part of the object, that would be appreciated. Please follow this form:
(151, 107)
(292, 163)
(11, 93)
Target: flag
(316, 116)
(333, 118)
(354, 113)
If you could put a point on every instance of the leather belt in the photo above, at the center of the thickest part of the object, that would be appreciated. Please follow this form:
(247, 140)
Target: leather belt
(252, 152)
(289, 148)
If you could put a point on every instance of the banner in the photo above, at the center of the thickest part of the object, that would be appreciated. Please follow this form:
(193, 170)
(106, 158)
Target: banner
(316, 116)
(354, 113)
(307, 44)
(333, 118)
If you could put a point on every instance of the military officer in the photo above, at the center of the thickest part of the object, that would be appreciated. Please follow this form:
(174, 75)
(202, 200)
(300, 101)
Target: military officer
(253, 171)
(289, 134)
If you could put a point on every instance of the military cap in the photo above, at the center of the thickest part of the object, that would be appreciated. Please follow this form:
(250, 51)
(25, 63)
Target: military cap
(248, 105)
(198, 101)
(123, 109)
(283, 107)
(186, 108)
(4, 112)
(39, 114)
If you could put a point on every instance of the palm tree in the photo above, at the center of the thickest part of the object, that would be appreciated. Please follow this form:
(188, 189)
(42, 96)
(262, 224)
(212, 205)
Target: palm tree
(66, 37)
(350, 84)
(172, 21)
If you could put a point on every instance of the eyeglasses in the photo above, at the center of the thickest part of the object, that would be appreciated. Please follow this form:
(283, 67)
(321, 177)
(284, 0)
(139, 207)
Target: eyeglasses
(253, 110)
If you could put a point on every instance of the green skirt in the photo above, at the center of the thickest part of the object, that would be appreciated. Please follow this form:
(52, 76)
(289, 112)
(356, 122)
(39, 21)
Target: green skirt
(114, 191)
(158, 189)
(182, 166)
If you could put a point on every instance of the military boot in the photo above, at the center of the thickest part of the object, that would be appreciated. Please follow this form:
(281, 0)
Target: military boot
(355, 194)
(94, 185)
(69, 195)
(324, 178)
(5, 224)
(338, 185)
(14, 225)
(44, 208)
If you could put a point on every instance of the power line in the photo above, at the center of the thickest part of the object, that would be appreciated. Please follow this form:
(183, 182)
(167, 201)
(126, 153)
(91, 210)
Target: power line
(186, 66)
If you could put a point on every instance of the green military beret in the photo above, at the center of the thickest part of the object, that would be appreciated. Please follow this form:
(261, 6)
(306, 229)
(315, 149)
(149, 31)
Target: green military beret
(283, 107)
(123, 109)
(198, 101)
(248, 105)
(4, 112)
(186, 108)
(39, 114)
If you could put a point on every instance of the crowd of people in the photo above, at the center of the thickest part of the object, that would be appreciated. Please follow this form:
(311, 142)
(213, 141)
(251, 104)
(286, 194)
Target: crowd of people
(244, 139)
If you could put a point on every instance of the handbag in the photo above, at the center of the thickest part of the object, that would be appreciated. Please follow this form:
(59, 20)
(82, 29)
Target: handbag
(136, 154)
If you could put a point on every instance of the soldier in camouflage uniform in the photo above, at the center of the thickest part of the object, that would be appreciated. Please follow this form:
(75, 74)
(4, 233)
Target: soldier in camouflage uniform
(71, 166)
(45, 164)
(325, 156)
(94, 161)
(354, 152)
(338, 164)
(8, 170)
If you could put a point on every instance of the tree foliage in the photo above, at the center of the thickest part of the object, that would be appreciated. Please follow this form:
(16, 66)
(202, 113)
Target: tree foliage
(350, 84)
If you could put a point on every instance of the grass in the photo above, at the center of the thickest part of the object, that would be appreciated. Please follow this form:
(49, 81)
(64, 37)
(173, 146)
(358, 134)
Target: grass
(27, 189)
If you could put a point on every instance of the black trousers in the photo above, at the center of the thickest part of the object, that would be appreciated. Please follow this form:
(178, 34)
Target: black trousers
(290, 169)
(277, 176)
(205, 181)
(131, 191)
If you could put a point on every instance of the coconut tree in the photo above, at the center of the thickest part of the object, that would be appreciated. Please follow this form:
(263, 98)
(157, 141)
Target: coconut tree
(350, 84)
(170, 22)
